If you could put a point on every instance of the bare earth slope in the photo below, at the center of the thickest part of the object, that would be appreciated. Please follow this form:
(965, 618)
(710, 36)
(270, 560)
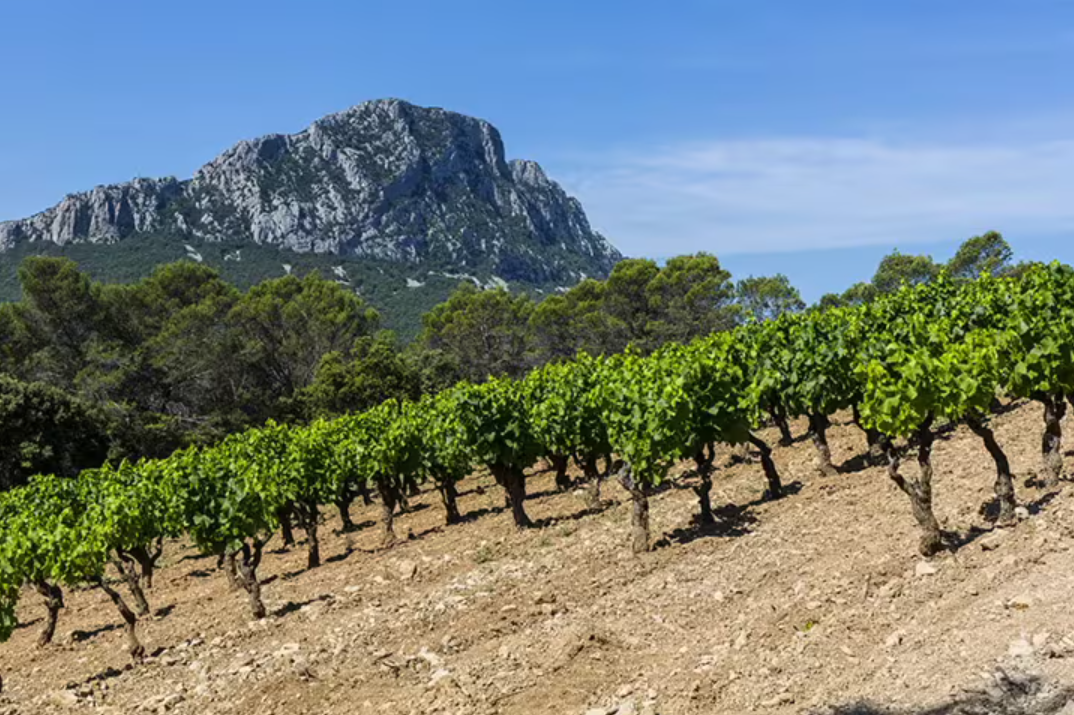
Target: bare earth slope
(813, 603)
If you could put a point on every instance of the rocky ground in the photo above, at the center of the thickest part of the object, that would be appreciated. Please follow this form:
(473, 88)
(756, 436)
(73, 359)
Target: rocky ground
(815, 603)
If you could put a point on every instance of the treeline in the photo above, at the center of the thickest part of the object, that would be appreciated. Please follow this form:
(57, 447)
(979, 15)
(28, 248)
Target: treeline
(988, 253)
(90, 371)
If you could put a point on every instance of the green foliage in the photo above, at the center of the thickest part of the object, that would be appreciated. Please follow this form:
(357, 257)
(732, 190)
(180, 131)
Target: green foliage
(382, 443)
(896, 268)
(564, 406)
(496, 424)
(129, 503)
(382, 283)
(282, 328)
(821, 353)
(565, 324)
(988, 253)
(372, 371)
(49, 536)
(444, 455)
(906, 384)
(217, 491)
(768, 297)
(483, 330)
(641, 304)
(859, 294)
(919, 362)
(647, 413)
(765, 350)
(1040, 350)
(690, 297)
(45, 430)
(714, 383)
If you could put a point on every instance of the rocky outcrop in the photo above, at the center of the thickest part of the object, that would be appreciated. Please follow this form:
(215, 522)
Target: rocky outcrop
(384, 179)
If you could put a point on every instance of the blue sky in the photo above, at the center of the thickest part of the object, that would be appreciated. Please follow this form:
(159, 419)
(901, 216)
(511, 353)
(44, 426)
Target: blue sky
(803, 137)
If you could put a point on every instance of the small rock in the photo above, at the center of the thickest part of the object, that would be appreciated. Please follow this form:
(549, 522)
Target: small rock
(1020, 602)
(64, 698)
(1021, 513)
(300, 667)
(781, 699)
(627, 707)
(993, 541)
(895, 639)
(891, 589)
(924, 568)
(431, 658)
(406, 570)
(440, 677)
(1020, 648)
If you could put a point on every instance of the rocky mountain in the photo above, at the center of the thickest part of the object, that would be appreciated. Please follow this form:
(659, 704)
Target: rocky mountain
(385, 180)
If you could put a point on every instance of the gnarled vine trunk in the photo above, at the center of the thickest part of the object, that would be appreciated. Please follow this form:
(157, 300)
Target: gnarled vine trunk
(309, 517)
(593, 477)
(130, 621)
(449, 495)
(704, 464)
(147, 559)
(560, 463)
(818, 431)
(53, 602)
(513, 481)
(919, 490)
(779, 419)
(231, 570)
(389, 496)
(1004, 486)
(286, 528)
(1051, 447)
(873, 439)
(343, 504)
(128, 571)
(771, 474)
(363, 491)
(639, 497)
(246, 568)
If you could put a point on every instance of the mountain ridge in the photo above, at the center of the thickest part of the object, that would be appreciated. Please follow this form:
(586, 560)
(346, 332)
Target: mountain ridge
(385, 179)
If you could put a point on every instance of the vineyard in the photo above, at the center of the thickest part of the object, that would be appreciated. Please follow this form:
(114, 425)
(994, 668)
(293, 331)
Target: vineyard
(906, 368)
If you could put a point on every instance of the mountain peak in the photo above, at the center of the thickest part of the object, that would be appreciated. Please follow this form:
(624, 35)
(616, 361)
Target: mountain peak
(384, 179)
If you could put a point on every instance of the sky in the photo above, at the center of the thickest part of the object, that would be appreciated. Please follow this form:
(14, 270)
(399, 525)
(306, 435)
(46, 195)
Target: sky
(809, 138)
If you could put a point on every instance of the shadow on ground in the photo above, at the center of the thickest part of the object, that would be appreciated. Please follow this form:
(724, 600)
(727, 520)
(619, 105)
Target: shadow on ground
(1006, 694)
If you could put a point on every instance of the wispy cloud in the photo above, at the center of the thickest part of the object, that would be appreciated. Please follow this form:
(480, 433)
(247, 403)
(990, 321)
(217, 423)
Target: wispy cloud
(783, 194)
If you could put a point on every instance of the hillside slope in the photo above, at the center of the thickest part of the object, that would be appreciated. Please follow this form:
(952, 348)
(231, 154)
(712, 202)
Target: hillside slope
(399, 193)
(813, 603)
